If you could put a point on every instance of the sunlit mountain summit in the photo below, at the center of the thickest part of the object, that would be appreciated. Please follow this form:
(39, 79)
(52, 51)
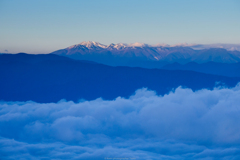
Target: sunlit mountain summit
(118, 46)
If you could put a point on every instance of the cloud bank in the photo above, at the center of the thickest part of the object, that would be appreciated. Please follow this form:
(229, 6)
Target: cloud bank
(180, 125)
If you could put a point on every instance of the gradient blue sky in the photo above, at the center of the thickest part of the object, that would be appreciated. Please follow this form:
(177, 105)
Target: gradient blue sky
(42, 26)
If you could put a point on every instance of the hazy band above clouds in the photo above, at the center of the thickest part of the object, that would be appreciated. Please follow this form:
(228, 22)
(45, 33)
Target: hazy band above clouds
(180, 125)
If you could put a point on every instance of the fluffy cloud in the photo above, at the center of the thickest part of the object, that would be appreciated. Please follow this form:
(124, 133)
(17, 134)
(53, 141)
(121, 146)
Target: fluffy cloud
(180, 125)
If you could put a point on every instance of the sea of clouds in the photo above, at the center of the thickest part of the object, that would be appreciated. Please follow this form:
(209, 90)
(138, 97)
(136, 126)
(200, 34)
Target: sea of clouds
(183, 124)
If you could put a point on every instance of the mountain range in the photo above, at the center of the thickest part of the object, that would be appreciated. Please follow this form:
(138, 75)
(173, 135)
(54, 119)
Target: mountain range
(147, 56)
(90, 70)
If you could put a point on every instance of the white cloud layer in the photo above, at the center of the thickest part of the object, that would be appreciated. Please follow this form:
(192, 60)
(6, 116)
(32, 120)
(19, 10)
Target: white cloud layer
(180, 125)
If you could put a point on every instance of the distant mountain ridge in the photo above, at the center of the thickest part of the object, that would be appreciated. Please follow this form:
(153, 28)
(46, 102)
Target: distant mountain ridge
(223, 69)
(50, 78)
(138, 53)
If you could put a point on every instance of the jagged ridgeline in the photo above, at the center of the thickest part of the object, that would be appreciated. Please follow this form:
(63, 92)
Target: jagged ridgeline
(151, 56)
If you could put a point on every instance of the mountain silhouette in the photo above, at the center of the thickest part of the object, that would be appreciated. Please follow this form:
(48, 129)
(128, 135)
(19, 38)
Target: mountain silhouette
(50, 78)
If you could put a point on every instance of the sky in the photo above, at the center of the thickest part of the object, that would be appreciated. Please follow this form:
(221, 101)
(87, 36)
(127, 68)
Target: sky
(43, 26)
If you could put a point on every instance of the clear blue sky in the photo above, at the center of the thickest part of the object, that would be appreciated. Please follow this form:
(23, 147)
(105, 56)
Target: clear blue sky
(42, 26)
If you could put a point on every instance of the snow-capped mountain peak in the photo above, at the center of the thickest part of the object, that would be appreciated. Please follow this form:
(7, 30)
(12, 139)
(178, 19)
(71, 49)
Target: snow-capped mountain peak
(89, 45)
(137, 44)
(120, 46)
(92, 44)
